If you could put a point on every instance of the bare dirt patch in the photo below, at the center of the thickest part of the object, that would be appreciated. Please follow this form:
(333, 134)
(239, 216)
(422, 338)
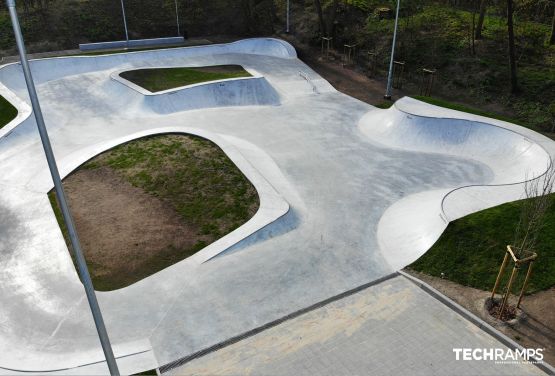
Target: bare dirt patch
(148, 204)
(347, 80)
(536, 330)
(124, 231)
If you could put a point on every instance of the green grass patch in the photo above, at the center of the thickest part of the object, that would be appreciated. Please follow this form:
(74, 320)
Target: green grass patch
(7, 112)
(160, 79)
(472, 248)
(384, 104)
(463, 108)
(194, 176)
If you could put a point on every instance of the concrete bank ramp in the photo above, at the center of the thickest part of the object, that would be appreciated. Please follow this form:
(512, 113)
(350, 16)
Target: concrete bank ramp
(243, 91)
(55, 68)
(326, 166)
(514, 154)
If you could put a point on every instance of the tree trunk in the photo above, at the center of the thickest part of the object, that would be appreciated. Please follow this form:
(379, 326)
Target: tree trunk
(552, 39)
(331, 19)
(512, 54)
(480, 24)
(318, 6)
(473, 30)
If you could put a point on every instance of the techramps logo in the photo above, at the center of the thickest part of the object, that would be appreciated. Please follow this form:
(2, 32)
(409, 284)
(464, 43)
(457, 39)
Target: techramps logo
(500, 356)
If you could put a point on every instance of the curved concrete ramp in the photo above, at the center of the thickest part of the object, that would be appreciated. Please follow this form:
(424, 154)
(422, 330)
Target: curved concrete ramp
(244, 91)
(350, 193)
(513, 154)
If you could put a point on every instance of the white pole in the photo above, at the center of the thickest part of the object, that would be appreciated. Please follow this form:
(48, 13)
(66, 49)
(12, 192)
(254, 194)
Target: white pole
(390, 75)
(177, 18)
(288, 10)
(60, 194)
(124, 21)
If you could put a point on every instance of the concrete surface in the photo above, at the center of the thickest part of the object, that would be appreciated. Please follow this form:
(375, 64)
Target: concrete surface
(383, 330)
(130, 43)
(336, 173)
(242, 91)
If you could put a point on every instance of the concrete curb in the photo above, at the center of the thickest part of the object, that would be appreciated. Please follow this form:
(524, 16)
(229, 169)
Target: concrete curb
(544, 366)
(130, 43)
(179, 362)
(116, 76)
(272, 204)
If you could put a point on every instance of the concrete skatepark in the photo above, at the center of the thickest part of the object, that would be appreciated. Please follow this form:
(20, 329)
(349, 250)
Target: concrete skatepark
(349, 194)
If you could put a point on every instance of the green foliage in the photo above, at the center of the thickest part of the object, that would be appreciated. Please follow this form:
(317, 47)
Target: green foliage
(436, 36)
(384, 104)
(7, 112)
(470, 251)
(63, 24)
(59, 217)
(160, 79)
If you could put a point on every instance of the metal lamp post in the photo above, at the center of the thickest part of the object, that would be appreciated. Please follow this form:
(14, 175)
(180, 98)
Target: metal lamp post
(124, 21)
(60, 194)
(390, 75)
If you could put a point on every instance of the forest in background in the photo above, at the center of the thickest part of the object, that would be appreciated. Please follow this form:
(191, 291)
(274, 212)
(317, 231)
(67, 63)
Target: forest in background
(440, 35)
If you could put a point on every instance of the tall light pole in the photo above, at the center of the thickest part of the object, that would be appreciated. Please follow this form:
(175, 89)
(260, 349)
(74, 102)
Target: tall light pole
(124, 21)
(288, 11)
(177, 18)
(60, 194)
(390, 75)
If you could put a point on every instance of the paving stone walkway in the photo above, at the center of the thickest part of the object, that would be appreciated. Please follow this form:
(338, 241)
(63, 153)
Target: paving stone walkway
(393, 328)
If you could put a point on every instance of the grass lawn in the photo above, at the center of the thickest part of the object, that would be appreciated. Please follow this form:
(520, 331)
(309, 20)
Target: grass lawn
(462, 108)
(384, 105)
(204, 194)
(452, 106)
(7, 112)
(160, 79)
(472, 248)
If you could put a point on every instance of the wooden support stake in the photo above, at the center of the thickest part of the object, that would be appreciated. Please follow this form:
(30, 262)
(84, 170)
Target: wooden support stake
(501, 270)
(372, 62)
(508, 292)
(525, 283)
(326, 43)
(398, 71)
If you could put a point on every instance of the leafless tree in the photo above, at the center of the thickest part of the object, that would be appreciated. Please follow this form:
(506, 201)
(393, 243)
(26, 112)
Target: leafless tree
(538, 200)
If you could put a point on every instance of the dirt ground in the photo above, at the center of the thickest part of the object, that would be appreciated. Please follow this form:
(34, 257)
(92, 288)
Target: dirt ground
(537, 329)
(123, 229)
(345, 79)
(367, 87)
(153, 202)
